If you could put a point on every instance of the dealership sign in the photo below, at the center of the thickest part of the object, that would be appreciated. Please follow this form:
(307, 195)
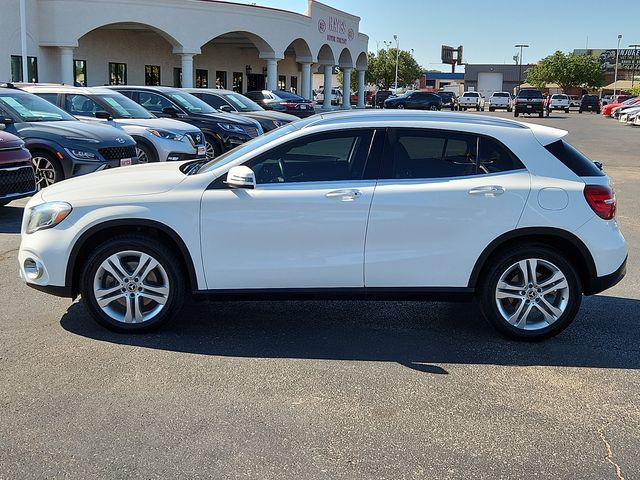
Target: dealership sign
(336, 30)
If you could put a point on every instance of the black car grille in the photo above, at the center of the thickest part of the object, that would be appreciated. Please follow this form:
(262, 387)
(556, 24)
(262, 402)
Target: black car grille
(14, 181)
(251, 131)
(196, 138)
(116, 153)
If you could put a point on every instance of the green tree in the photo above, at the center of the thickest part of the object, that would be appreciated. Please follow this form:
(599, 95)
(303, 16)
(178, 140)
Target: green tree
(567, 70)
(635, 91)
(382, 68)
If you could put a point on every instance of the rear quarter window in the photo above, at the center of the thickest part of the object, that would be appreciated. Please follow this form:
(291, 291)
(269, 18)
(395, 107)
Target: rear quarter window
(575, 160)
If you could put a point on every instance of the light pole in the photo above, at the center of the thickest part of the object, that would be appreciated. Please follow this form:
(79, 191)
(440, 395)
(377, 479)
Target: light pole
(633, 70)
(395, 37)
(615, 75)
(521, 46)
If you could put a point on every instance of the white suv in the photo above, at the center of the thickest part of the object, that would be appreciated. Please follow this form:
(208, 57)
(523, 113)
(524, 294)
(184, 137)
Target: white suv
(358, 205)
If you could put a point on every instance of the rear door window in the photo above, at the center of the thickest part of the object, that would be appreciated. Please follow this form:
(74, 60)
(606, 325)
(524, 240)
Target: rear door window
(154, 102)
(81, 105)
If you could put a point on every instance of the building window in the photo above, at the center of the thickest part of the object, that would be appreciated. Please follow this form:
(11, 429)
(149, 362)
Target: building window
(294, 85)
(151, 75)
(221, 79)
(117, 73)
(202, 78)
(237, 82)
(16, 69)
(80, 73)
(177, 77)
(282, 82)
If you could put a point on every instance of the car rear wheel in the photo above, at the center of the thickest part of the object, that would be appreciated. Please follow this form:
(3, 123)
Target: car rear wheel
(531, 293)
(132, 284)
(47, 170)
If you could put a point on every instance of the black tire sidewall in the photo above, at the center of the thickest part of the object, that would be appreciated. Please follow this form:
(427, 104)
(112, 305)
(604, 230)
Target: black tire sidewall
(151, 155)
(498, 266)
(57, 166)
(217, 149)
(163, 255)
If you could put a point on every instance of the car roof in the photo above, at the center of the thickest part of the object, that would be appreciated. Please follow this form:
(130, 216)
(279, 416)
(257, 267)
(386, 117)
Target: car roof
(220, 91)
(67, 89)
(142, 87)
(448, 120)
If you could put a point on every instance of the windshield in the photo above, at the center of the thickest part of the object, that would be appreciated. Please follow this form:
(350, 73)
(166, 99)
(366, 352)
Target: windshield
(242, 103)
(123, 107)
(245, 148)
(31, 108)
(190, 103)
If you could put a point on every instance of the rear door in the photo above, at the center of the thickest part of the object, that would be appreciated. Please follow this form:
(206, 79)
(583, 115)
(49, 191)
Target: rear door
(438, 204)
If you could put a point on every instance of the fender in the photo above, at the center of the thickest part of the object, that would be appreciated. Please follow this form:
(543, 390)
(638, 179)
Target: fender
(131, 222)
(531, 232)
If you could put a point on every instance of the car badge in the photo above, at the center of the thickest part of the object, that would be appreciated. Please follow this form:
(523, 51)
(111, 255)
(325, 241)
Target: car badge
(120, 140)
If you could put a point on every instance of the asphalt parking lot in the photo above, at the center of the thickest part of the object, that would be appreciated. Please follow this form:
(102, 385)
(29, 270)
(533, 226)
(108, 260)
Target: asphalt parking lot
(384, 390)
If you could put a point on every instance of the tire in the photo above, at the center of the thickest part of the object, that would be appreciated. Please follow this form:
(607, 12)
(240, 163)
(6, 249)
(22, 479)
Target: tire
(561, 302)
(566, 110)
(491, 109)
(477, 108)
(433, 107)
(48, 169)
(541, 114)
(580, 111)
(400, 106)
(515, 114)
(212, 147)
(509, 110)
(145, 153)
(123, 251)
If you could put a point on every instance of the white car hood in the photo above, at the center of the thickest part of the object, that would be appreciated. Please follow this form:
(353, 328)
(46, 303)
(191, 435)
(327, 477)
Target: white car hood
(119, 182)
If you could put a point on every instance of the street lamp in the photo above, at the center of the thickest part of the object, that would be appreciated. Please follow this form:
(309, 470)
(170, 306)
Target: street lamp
(615, 75)
(395, 37)
(633, 70)
(520, 46)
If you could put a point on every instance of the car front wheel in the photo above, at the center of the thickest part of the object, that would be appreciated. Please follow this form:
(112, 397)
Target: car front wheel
(132, 284)
(531, 293)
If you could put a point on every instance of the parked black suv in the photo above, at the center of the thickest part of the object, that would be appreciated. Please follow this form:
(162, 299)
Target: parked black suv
(449, 100)
(233, 102)
(589, 103)
(415, 101)
(528, 101)
(381, 96)
(222, 131)
(60, 145)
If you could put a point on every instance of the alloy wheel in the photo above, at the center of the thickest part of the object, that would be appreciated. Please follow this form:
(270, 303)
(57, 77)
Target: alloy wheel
(532, 294)
(131, 287)
(210, 150)
(45, 172)
(142, 155)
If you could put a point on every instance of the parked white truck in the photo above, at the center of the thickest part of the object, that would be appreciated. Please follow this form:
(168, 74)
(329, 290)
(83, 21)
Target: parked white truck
(560, 101)
(500, 100)
(471, 100)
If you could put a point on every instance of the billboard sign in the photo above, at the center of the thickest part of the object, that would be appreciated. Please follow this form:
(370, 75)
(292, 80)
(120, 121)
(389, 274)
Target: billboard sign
(607, 58)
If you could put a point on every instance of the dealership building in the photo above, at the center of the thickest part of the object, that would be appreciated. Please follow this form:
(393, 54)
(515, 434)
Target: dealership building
(188, 43)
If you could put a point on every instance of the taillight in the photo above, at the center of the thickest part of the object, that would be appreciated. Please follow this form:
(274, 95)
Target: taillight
(602, 200)
(289, 104)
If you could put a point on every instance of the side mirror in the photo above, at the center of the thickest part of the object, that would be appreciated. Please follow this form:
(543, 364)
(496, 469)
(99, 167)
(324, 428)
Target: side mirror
(172, 112)
(241, 177)
(226, 109)
(103, 115)
(6, 121)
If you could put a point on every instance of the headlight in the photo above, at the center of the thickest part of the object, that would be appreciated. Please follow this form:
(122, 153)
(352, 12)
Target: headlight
(47, 215)
(230, 127)
(81, 154)
(166, 134)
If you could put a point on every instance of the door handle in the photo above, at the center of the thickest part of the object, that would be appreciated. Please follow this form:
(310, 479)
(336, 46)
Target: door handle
(345, 195)
(487, 190)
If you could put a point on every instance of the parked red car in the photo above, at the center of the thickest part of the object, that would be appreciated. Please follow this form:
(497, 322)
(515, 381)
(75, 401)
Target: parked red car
(17, 179)
(607, 110)
(368, 97)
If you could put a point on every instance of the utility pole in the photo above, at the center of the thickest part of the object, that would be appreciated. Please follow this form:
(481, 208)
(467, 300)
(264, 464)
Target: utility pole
(615, 75)
(521, 46)
(395, 37)
(633, 70)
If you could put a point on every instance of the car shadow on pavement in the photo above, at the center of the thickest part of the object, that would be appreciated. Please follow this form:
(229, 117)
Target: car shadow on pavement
(419, 335)
(10, 219)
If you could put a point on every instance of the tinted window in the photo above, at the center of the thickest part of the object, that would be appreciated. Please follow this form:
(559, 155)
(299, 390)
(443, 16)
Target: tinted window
(254, 95)
(471, 94)
(214, 100)
(123, 107)
(501, 94)
(530, 94)
(154, 102)
(49, 97)
(318, 158)
(494, 157)
(291, 96)
(433, 155)
(81, 105)
(574, 159)
(31, 108)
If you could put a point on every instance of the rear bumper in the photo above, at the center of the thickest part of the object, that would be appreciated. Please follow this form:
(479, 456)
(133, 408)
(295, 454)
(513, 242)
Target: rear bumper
(600, 284)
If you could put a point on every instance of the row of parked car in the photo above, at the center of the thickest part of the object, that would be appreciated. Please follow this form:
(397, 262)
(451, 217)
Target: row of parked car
(70, 131)
(624, 108)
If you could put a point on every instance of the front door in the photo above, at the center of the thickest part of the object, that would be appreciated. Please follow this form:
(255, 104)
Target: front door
(437, 206)
(304, 224)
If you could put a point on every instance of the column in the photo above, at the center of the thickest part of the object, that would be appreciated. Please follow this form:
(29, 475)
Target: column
(305, 81)
(346, 88)
(187, 70)
(66, 66)
(328, 85)
(272, 74)
(361, 87)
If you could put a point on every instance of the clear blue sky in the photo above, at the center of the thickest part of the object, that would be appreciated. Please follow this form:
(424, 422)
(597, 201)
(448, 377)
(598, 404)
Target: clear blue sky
(424, 25)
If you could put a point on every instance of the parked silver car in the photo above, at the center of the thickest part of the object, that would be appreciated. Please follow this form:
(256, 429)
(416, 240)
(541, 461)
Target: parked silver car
(157, 139)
